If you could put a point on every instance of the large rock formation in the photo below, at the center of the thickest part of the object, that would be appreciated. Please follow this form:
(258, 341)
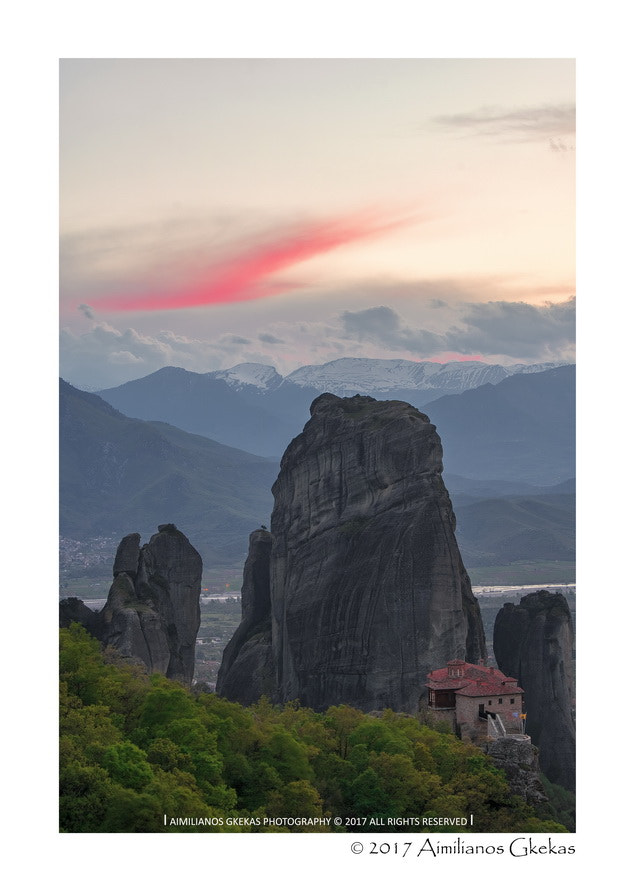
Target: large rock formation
(533, 641)
(153, 609)
(368, 592)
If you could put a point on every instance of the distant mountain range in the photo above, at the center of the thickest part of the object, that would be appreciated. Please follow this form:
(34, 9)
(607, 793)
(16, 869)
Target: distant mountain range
(346, 377)
(120, 475)
(493, 424)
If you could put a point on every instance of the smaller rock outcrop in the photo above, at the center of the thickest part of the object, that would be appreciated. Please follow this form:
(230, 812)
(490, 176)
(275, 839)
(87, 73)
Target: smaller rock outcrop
(73, 610)
(246, 672)
(153, 609)
(127, 556)
(519, 761)
(533, 641)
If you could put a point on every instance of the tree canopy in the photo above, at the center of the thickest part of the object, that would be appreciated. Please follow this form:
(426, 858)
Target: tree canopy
(138, 750)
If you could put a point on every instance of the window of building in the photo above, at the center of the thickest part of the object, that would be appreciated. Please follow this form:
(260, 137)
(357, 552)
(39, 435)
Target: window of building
(499, 699)
(490, 702)
(512, 699)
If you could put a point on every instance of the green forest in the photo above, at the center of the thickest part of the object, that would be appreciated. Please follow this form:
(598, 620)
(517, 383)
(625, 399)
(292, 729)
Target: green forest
(138, 750)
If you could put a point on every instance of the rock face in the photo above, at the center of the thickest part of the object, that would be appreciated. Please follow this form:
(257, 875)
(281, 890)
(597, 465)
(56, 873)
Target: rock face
(246, 672)
(153, 609)
(518, 759)
(368, 592)
(127, 556)
(533, 641)
(73, 610)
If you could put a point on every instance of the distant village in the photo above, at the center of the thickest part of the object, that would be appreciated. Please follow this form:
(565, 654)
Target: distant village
(92, 554)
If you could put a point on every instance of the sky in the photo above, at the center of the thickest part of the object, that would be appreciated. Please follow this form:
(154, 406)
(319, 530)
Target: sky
(294, 211)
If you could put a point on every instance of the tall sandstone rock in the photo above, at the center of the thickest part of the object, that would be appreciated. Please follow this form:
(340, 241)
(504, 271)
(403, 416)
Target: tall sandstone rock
(533, 642)
(153, 609)
(368, 591)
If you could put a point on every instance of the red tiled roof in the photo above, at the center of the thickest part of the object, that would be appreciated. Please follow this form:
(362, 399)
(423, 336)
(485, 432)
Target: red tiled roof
(475, 681)
(451, 684)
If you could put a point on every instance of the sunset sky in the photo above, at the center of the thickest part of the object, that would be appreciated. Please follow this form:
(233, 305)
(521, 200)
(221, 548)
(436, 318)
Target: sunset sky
(291, 212)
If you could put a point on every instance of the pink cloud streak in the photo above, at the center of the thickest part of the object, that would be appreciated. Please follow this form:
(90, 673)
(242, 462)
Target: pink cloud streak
(245, 276)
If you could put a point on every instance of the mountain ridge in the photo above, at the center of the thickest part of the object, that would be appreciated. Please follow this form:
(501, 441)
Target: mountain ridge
(521, 429)
(353, 373)
(251, 407)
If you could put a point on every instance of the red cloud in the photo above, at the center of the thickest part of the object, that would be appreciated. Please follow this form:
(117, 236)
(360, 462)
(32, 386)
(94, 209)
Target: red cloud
(245, 276)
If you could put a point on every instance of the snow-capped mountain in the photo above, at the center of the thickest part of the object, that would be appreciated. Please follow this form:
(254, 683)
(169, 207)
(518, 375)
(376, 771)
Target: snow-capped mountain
(252, 374)
(253, 408)
(349, 376)
(345, 377)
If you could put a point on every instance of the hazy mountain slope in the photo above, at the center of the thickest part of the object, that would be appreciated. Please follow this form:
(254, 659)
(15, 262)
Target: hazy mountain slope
(522, 429)
(465, 490)
(498, 531)
(238, 416)
(120, 475)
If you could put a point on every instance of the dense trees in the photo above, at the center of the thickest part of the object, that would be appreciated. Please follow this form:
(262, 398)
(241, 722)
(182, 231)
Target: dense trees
(137, 751)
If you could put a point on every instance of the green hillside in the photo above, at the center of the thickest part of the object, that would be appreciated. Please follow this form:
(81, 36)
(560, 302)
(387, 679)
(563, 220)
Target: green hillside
(137, 752)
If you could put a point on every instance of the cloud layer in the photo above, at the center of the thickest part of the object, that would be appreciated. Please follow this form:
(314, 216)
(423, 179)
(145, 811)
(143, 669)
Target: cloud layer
(495, 331)
(495, 328)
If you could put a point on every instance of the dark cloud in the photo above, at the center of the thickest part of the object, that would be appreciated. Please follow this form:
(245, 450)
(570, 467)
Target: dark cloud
(382, 325)
(516, 329)
(495, 328)
(525, 124)
(87, 311)
(270, 339)
(374, 320)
